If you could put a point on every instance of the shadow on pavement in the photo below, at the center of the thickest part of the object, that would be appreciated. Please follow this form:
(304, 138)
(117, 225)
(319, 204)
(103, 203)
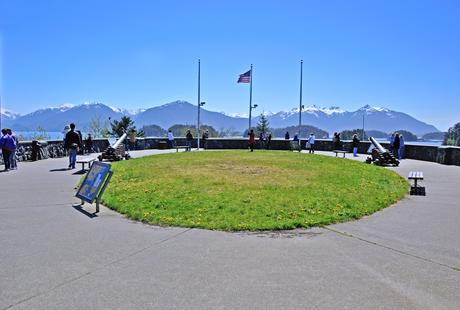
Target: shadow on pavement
(60, 169)
(81, 210)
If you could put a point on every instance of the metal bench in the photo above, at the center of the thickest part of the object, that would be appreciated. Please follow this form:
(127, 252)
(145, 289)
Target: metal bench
(84, 161)
(339, 152)
(416, 190)
(185, 147)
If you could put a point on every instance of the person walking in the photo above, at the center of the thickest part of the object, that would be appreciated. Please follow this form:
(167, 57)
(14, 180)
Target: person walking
(252, 140)
(72, 144)
(311, 142)
(6, 144)
(13, 162)
(396, 145)
(189, 139)
(401, 147)
(355, 144)
(170, 139)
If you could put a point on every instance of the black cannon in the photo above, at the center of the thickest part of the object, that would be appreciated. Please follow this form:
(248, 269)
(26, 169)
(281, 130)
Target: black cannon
(381, 156)
(116, 151)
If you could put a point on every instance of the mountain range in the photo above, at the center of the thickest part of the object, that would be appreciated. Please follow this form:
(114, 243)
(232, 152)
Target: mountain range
(182, 112)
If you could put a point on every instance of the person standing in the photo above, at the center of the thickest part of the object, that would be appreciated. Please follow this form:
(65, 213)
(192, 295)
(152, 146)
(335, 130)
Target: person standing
(401, 147)
(205, 137)
(396, 145)
(170, 139)
(336, 141)
(89, 144)
(355, 144)
(392, 141)
(72, 143)
(13, 162)
(6, 144)
(189, 139)
(262, 140)
(311, 142)
(269, 140)
(252, 140)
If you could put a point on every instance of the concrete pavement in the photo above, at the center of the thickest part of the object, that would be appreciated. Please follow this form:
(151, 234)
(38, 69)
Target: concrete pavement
(53, 256)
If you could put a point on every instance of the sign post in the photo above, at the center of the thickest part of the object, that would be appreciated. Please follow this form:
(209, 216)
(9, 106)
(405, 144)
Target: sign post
(93, 186)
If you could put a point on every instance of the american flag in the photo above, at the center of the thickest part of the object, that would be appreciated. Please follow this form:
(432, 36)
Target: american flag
(245, 77)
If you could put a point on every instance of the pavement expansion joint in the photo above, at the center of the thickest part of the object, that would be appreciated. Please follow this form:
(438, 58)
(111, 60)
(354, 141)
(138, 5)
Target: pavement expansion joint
(98, 269)
(48, 205)
(428, 260)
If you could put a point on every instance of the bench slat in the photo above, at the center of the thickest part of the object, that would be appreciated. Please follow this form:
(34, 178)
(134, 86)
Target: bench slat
(415, 175)
(79, 161)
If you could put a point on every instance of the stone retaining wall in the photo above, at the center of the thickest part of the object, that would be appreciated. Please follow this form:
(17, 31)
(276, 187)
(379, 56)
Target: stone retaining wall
(447, 155)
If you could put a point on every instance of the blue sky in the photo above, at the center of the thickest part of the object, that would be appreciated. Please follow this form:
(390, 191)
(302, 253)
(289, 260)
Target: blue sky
(404, 55)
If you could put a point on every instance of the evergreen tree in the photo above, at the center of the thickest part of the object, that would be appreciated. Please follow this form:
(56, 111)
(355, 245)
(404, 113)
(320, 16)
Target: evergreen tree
(154, 131)
(125, 124)
(179, 130)
(408, 136)
(452, 136)
(263, 125)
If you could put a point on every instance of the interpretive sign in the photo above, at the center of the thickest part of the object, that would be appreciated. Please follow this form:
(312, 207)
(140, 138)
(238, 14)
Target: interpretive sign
(94, 183)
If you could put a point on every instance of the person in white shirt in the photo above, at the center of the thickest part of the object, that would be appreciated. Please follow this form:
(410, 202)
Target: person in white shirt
(170, 139)
(311, 141)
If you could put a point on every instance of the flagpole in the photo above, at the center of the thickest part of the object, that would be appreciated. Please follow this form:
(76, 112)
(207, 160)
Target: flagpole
(300, 103)
(198, 106)
(250, 100)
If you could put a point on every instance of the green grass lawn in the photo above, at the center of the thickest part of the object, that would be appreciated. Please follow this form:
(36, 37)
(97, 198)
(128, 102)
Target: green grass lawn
(239, 190)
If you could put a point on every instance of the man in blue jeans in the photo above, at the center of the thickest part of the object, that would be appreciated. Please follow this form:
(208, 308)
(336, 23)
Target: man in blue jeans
(72, 143)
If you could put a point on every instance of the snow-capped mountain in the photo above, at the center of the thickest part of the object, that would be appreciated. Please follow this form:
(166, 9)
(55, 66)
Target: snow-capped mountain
(182, 112)
(55, 119)
(8, 115)
(335, 119)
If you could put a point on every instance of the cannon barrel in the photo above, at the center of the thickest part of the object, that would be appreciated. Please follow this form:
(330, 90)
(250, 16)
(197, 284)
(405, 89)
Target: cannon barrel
(119, 141)
(377, 145)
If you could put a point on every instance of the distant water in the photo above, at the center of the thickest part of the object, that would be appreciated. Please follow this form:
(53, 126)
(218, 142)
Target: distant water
(56, 135)
(429, 142)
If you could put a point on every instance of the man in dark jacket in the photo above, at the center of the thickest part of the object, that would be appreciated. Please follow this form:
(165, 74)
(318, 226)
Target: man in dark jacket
(396, 145)
(188, 140)
(72, 143)
(355, 144)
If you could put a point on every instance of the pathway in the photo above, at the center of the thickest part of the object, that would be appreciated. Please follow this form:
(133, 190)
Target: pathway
(53, 256)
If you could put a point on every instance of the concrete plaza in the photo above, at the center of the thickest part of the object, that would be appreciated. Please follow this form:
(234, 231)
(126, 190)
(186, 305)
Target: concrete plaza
(56, 256)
